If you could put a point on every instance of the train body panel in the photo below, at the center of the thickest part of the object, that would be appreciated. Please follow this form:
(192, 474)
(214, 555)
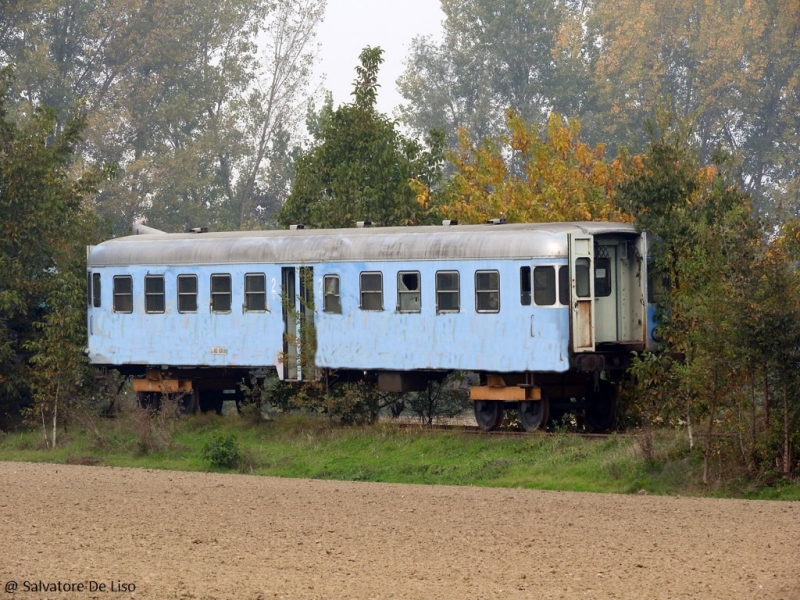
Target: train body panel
(199, 337)
(389, 337)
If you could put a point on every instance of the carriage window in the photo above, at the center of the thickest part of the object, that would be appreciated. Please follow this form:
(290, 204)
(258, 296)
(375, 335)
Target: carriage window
(525, 286)
(602, 277)
(371, 291)
(582, 283)
(255, 292)
(544, 286)
(447, 291)
(123, 294)
(154, 293)
(408, 291)
(563, 285)
(487, 291)
(187, 293)
(332, 302)
(96, 290)
(221, 293)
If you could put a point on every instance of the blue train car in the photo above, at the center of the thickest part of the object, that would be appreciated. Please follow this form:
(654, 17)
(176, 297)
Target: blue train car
(546, 314)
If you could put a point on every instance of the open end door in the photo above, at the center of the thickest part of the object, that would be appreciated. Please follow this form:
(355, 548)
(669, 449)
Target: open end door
(642, 250)
(581, 268)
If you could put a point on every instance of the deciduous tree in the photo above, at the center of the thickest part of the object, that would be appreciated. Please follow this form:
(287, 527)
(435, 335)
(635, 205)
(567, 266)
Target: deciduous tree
(529, 174)
(360, 166)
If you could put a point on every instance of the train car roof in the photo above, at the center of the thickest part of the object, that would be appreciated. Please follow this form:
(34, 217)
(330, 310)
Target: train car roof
(523, 240)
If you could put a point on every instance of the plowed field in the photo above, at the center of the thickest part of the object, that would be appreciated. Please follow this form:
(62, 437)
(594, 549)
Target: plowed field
(192, 535)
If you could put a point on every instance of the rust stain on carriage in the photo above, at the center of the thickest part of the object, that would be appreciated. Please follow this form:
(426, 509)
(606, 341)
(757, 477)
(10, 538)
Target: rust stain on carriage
(584, 332)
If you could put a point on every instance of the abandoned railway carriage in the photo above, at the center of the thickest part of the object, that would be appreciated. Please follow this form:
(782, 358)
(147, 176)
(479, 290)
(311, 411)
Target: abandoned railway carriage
(546, 314)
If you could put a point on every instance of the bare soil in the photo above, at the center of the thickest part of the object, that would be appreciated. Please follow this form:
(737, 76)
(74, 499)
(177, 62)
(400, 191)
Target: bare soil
(203, 536)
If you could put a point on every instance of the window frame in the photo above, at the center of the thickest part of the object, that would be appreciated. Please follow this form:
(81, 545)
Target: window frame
(409, 293)
(336, 308)
(487, 292)
(154, 296)
(362, 291)
(525, 285)
(602, 286)
(118, 294)
(551, 289)
(181, 295)
(250, 294)
(213, 295)
(97, 290)
(563, 285)
(456, 291)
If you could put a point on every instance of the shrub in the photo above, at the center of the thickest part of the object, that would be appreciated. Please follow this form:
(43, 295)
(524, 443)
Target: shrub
(222, 452)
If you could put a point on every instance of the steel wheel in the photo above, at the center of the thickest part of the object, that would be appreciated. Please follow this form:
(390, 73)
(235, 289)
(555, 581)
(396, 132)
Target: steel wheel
(533, 414)
(488, 414)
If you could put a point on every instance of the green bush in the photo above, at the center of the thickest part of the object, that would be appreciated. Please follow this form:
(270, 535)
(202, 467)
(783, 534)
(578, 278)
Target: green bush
(222, 452)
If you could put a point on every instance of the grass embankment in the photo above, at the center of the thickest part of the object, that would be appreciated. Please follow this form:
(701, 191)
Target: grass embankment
(305, 446)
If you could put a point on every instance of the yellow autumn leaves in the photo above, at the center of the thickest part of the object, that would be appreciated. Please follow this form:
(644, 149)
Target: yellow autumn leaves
(528, 175)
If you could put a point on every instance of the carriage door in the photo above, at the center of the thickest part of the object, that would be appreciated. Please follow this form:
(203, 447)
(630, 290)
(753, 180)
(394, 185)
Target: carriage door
(308, 338)
(299, 339)
(291, 333)
(605, 293)
(581, 294)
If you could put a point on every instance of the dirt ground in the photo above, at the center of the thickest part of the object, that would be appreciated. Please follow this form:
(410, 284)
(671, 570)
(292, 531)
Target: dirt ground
(190, 535)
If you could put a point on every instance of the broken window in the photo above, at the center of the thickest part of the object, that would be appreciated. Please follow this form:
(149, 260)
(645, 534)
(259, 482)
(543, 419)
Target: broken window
(408, 291)
(487, 291)
(154, 293)
(187, 293)
(544, 286)
(371, 291)
(255, 292)
(221, 293)
(332, 301)
(448, 296)
(123, 294)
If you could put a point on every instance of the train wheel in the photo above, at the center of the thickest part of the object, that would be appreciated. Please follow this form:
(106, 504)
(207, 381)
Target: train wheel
(533, 414)
(602, 409)
(488, 414)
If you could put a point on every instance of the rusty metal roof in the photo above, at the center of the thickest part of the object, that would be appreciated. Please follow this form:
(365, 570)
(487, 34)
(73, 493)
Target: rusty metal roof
(522, 240)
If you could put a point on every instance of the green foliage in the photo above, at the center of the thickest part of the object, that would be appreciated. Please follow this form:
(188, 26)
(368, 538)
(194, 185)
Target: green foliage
(446, 398)
(44, 229)
(198, 102)
(731, 318)
(730, 67)
(222, 452)
(312, 446)
(360, 166)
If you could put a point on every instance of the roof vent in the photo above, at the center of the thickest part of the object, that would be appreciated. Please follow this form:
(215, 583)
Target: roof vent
(297, 226)
(364, 224)
(449, 222)
(198, 230)
(500, 221)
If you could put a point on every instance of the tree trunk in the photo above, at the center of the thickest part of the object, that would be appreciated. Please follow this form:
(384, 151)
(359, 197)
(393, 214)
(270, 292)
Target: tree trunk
(787, 445)
(707, 452)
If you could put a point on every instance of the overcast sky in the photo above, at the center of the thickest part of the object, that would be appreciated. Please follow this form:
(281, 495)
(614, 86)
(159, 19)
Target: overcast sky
(350, 25)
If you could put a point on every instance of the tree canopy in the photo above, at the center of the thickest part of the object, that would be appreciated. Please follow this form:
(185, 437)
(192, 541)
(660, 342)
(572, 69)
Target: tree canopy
(199, 103)
(44, 229)
(729, 67)
(360, 166)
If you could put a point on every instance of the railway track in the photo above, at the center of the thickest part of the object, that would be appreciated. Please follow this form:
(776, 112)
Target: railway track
(475, 430)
